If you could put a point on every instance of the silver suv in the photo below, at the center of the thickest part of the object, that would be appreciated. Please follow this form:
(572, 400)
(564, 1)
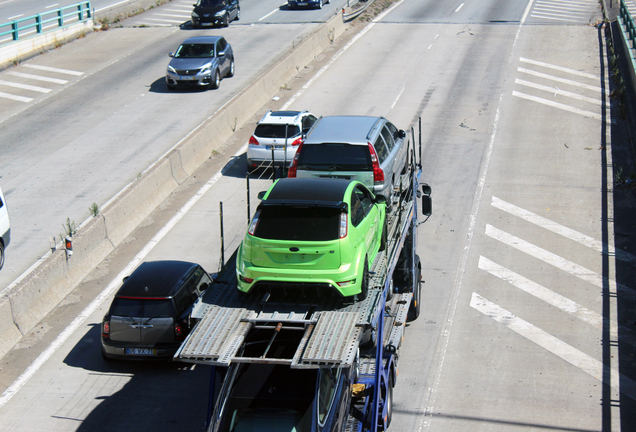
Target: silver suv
(150, 315)
(368, 149)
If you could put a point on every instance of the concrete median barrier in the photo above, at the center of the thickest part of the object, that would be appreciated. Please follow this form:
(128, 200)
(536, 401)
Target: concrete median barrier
(27, 302)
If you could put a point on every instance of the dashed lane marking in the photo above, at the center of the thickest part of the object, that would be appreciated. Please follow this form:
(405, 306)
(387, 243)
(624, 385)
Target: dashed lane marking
(53, 69)
(15, 98)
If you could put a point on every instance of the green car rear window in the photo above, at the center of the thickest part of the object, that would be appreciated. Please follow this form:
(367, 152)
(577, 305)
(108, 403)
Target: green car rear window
(298, 223)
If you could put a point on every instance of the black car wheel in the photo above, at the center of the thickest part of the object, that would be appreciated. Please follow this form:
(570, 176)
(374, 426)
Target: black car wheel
(320, 4)
(230, 72)
(214, 84)
(238, 14)
(364, 287)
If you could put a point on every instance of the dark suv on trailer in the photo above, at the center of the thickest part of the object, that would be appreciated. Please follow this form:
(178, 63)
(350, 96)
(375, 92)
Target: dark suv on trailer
(150, 315)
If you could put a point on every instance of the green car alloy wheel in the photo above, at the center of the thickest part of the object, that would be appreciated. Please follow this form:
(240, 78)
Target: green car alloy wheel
(312, 233)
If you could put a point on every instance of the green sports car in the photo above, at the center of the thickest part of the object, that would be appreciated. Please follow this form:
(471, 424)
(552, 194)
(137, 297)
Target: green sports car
(313, 233)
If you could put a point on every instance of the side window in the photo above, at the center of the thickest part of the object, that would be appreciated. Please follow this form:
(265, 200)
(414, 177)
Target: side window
(326, 392)
(357, 210)
(204, 283)
(392, 129)
(365, 199)
(388, 138)
(221, 45)
(380, 148)
(308, 122)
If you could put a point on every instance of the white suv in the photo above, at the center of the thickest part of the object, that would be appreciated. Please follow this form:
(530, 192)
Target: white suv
(5, 228)
(280, 131)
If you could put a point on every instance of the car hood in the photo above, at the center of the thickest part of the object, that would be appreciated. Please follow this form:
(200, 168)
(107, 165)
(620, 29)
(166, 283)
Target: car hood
(209, 10)
(190, 63)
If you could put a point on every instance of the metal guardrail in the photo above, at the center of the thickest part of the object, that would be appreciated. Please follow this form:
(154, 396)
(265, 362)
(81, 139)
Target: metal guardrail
(40, 23)
(628, 22)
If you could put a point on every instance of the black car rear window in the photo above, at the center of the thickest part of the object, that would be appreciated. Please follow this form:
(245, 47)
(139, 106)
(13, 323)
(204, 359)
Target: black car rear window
(298, 223)
(335, 156)
(276, 130)
(138, 308)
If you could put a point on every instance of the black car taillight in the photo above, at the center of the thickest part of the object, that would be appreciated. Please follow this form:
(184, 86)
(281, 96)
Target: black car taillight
(178, 331)
(106, 329)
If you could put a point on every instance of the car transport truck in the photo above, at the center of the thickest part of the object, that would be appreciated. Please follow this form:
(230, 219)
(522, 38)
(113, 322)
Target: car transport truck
(308, 360)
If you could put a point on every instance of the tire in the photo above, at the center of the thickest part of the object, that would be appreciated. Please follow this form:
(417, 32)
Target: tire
(238, 15)
(230, 73)
(216, 82)
(416, 303)
(226, 23)
(1, 255)
(364, 286)
(383, 239)
(389, 293)
(389, 404)
(320, 4)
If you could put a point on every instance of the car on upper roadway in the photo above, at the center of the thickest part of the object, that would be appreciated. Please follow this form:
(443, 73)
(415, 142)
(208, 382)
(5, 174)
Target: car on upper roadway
(368, 149)
(150, 315)
(313, 234)
(208, 13)
(280, 131)
(5, 228)
(295, 4)
(200, 62)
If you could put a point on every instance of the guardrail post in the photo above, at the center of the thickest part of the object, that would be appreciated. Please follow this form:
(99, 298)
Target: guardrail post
(80, 12)
(38, 23)
(14, 30)
(60, 18)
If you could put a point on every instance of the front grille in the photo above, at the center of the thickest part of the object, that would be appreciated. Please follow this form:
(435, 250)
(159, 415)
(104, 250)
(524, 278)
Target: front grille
(188, 83)
(185, 72)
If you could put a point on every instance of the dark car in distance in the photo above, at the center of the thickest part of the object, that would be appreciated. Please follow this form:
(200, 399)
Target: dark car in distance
(150, 315)
(208, 13)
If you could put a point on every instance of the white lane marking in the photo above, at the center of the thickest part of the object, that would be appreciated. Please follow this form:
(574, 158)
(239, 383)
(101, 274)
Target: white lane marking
(559, 68)
(561, 263)
(38, 77)
(112, 6)
(558, 79)
(14, 17)
(557, 105)
(567, 3)
(398, 96)
(577, 358)
(339, 53)
(262, 18)
(547, 295)
(25, 86)
(559, 11)
(15, 98)
(110, 289)
(550, 17)
(557, 91)
(174, 15)
(164, 20)
(564, 231)
(52, 69)
(51, 6)
(459, 7)
(425, 423)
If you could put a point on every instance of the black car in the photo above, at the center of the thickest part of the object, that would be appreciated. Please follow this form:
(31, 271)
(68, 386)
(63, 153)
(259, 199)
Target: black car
(150, 315)
(208, 13)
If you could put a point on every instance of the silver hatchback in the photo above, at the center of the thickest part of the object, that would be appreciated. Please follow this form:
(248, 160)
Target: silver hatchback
(368, 149)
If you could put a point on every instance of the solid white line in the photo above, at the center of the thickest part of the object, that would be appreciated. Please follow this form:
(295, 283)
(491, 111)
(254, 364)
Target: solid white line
(559, 68)
(112, 6)
(14, 17)
(557, 105)
(577, 358)
(560, 11)
(51, 6)
(460, 6)
(262, 18)
(564, 231)
(15, 98)
(38, 77)
(458, 280)
(25, 86)
(558, 79)
(164, 20)
(557, 91)
(543, 16)
(52, 69)
(572, 3)
(110, 289)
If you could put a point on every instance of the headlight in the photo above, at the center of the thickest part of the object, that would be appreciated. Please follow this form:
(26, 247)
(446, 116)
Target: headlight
(220, 13)
(195, 15)
(171, 70)
(206, 69)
